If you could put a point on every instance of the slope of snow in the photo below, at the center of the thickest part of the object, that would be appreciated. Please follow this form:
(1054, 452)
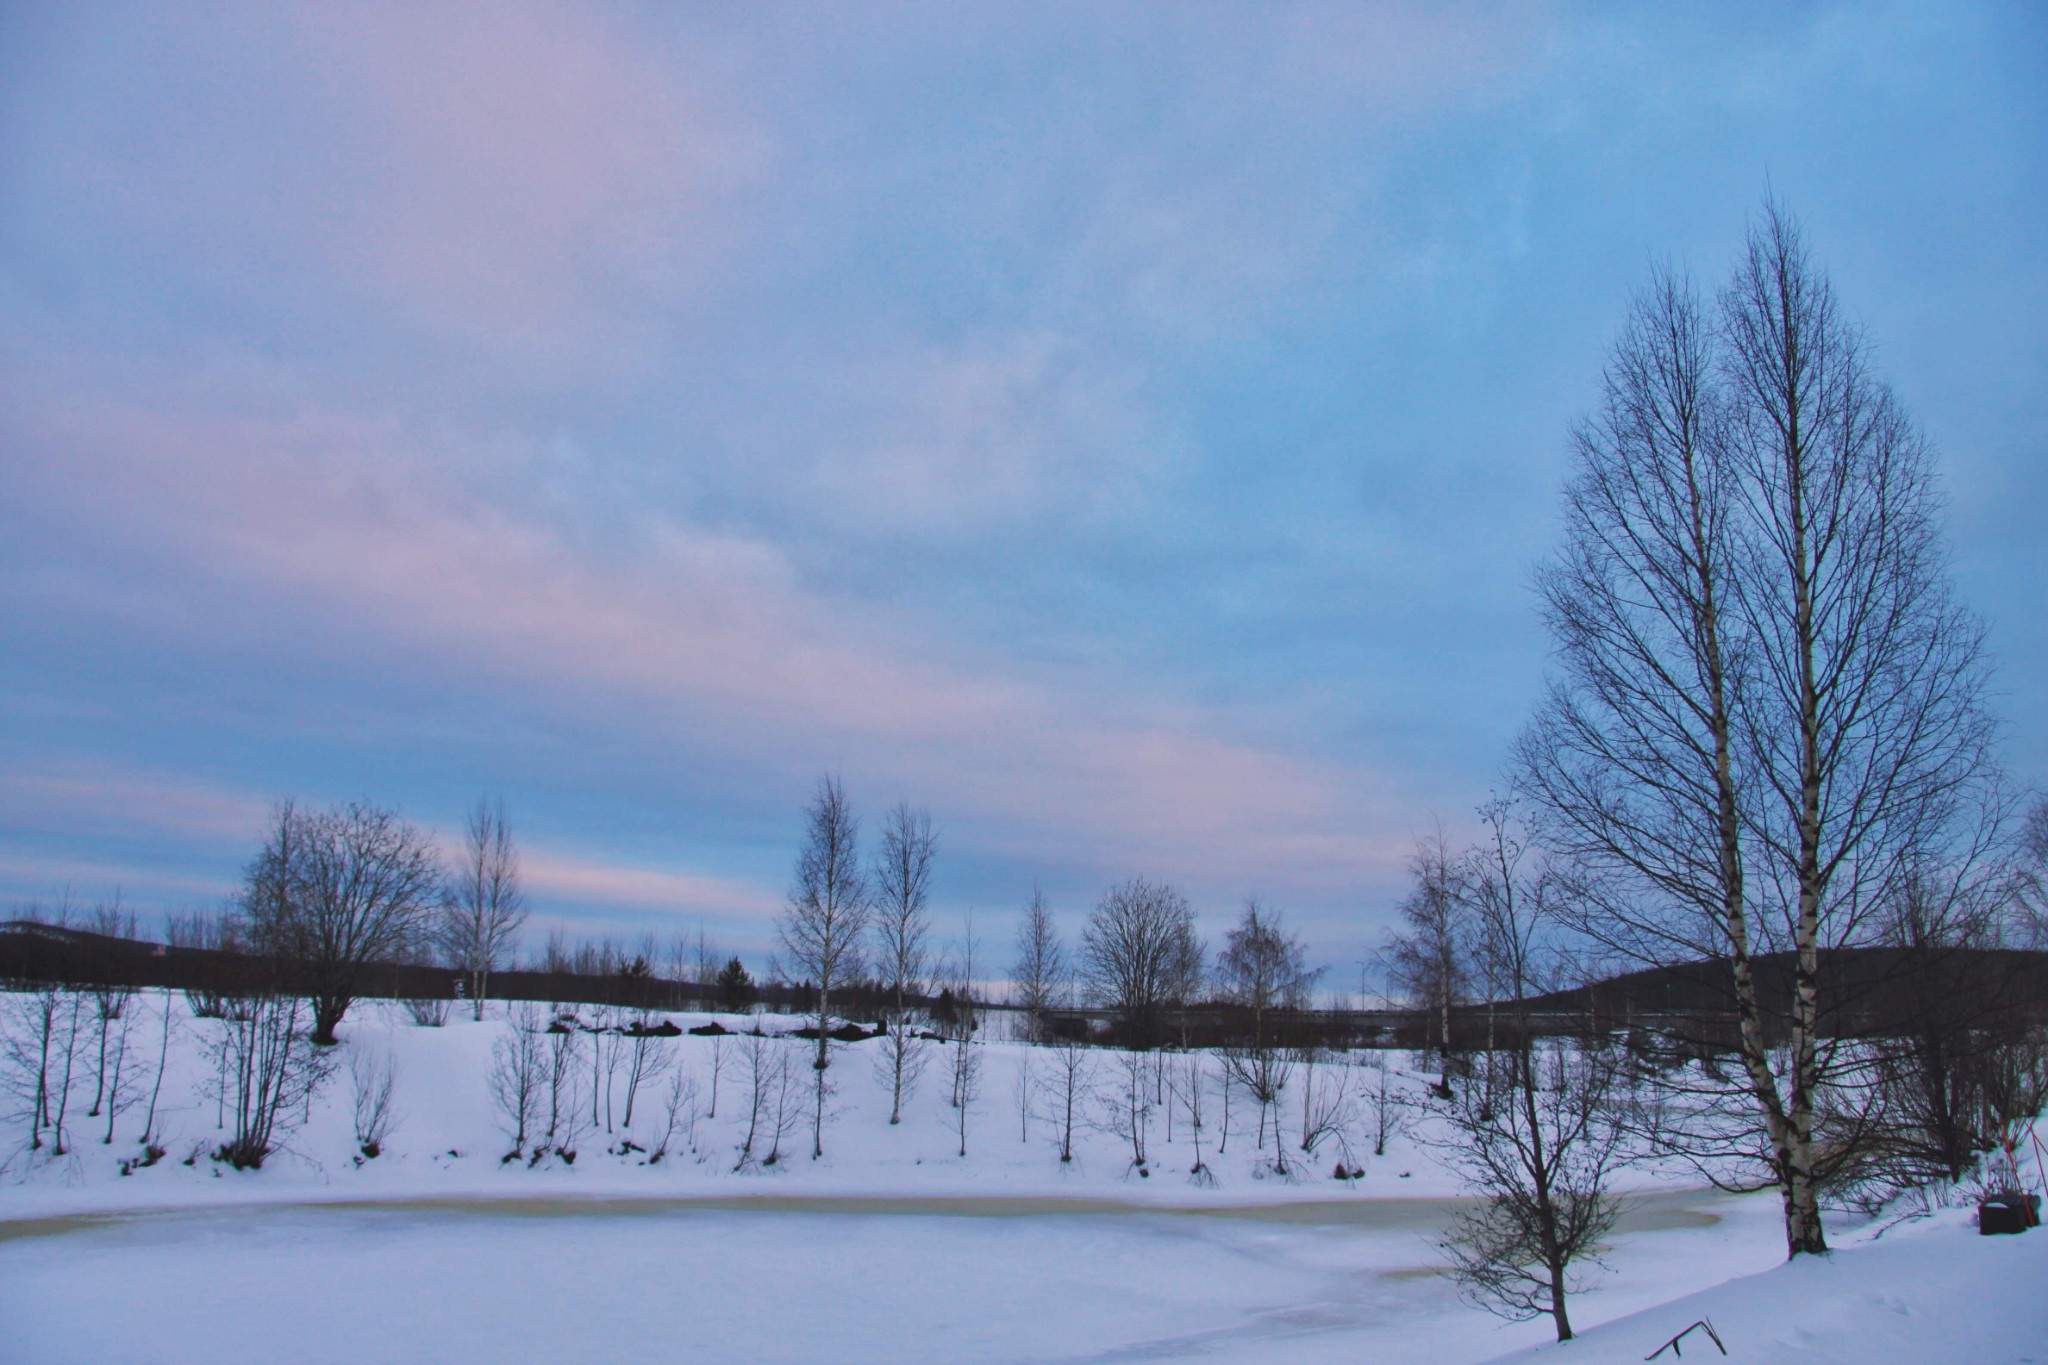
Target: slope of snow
(1933, 1291)
(448, 1139)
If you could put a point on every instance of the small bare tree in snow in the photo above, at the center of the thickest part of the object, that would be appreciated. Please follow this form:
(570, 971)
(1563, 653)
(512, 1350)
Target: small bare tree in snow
(32, 1047)
(517, 1076)
(902, 879)
(1068, 1081)
(648, 1059)
(1388, 1112)
(1024, 1089)
(110, 1016)
(1190, 1088)
(680, 1112)
(1429, 961)
(167, 1025)
(485, 906)
(373, 1081)
(561, 1072)
(822, 927)
(426, 1011)
(1262, 976)
(718, 1058)
(1539, 1132)
(268, 1072)
(1041, 965)
(770, 1083)
(964, 1060)
(1329, 1110)
(1124, 1103)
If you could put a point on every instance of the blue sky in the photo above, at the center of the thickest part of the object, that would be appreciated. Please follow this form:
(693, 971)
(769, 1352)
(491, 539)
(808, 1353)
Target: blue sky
(1126, 430)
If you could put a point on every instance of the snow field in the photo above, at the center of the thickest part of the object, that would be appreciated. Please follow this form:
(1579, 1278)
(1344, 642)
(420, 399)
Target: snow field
(891, 1246)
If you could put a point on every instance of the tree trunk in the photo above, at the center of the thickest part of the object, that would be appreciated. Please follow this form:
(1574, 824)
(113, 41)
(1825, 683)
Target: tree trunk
(327, 1012)
(824, 1060)
(1557, 1309)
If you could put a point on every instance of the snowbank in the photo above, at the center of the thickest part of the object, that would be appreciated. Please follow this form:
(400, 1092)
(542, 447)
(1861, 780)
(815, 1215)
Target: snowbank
(1928, 1291)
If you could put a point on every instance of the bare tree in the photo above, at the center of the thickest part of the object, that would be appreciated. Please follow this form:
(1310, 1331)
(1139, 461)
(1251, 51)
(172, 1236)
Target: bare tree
(211, 933)
(118, 1076)
(680, 1112)
(704, 965)
(373, 1082)
(1538, 1142)
(166, 1026)
(334, 892)
(1024, 1090)
(717, 1069)
(1134, 952)
(1387, 1107)
(516, 1081)
(110, 1017)
(1124, 1104)
(648, 1059)
(561, 1066)
(1070, 1077)
(1540, 1131)
(267, 1070)
(59, 1088)
(484, 906)
(902, 880)
(1190, 1087)
(608, 1047)
(822, 927)
(1958, 1010)
(964, 1055)
(1428, 961)
(36, 1037)
(1041, 965)
(1329, 1108)
(773, 1106)
(1768, 698)
(2031, 881)
(1262, 976)
(426, 1011)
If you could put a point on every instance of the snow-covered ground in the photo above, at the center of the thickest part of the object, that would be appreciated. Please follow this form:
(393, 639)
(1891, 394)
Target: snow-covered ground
(891, 1246)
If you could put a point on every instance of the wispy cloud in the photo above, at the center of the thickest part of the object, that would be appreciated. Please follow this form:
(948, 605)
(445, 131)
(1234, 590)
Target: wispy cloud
(698, 634)
(82, 796)
(584, 882)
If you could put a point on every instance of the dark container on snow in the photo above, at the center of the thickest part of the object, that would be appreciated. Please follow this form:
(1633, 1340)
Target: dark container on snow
(2006, 1213)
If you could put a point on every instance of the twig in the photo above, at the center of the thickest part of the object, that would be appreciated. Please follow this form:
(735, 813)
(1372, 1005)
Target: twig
(1673, 1346)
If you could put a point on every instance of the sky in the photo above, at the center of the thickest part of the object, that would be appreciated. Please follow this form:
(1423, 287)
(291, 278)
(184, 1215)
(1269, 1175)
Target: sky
(1126, 430)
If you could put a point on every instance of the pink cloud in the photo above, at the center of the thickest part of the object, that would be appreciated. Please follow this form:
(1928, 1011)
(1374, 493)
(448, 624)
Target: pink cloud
(682, 633)
(97, 799)
(526, 179)
(88, 882)
(524, 165)
(88, 796)
(582, 881)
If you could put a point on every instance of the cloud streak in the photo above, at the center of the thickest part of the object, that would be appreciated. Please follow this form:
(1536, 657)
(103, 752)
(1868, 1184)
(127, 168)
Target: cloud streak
(694, 635)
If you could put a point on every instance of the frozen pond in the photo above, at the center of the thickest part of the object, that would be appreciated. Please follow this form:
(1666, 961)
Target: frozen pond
(777, 1279)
